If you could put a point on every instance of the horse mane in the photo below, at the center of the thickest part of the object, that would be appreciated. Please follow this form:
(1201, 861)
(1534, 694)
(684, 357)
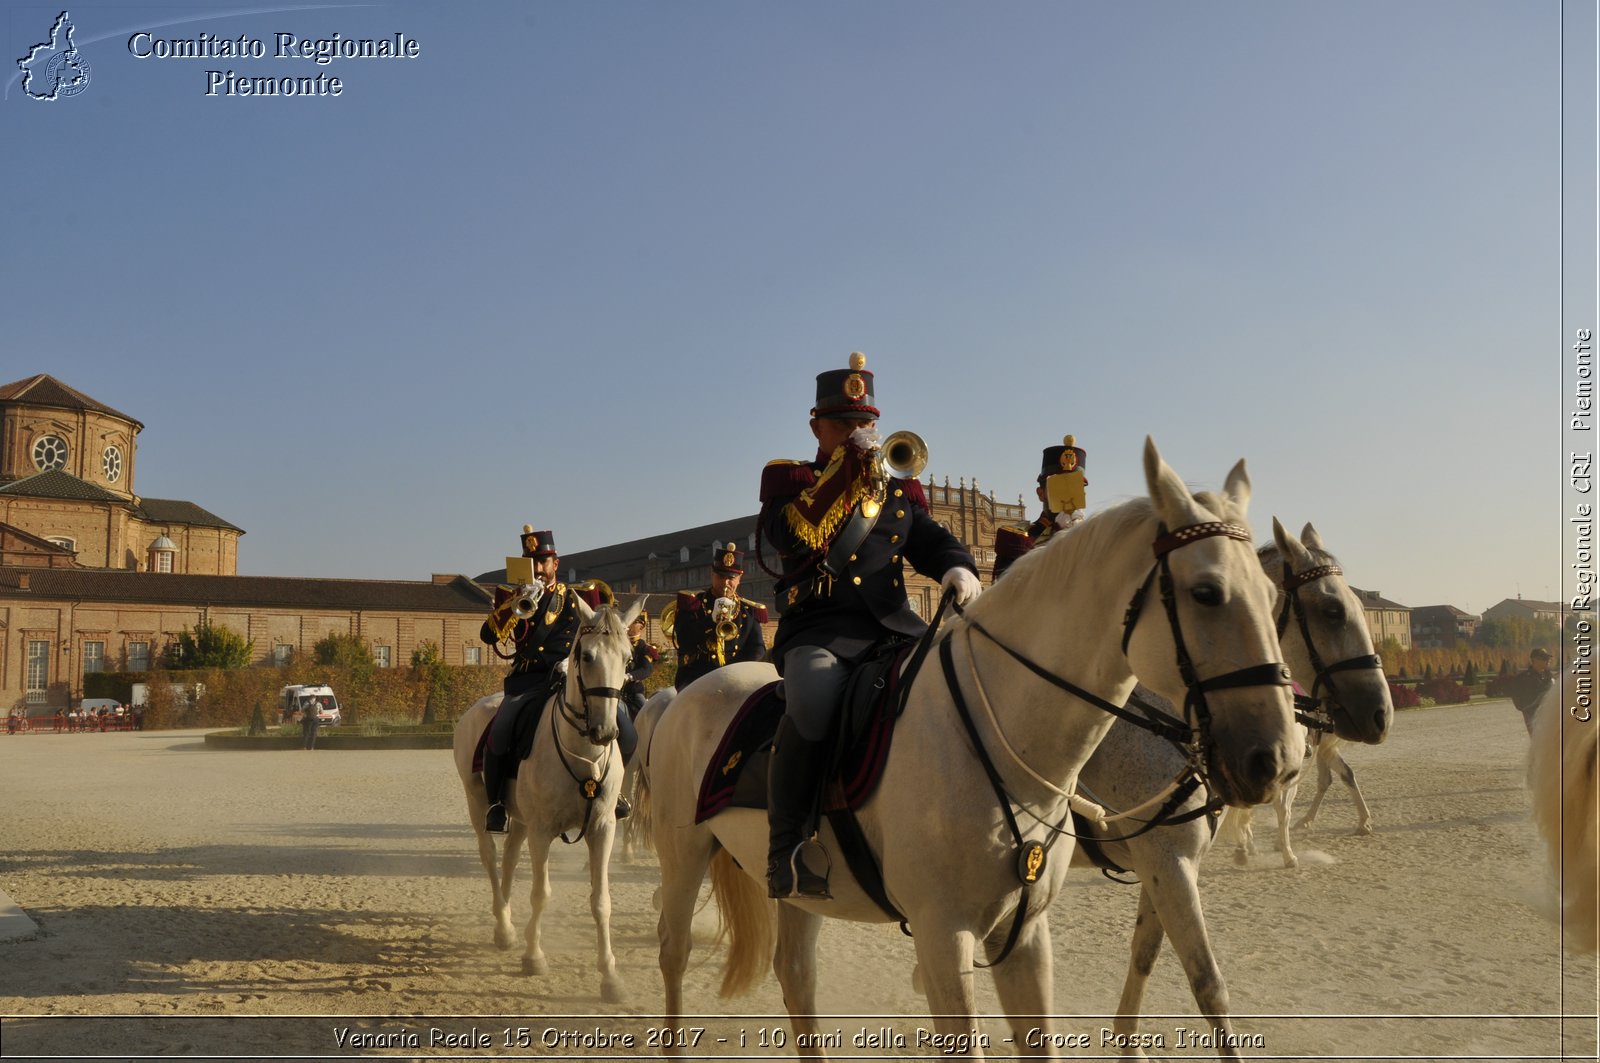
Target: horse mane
(1066, 553)
(1091, 540)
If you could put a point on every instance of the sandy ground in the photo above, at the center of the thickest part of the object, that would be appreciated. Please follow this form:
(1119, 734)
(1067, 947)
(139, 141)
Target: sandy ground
(193, 903)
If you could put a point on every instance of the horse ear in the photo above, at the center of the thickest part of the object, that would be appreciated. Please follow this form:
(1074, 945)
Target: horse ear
(1312, 540)
(1174, 504)
(633, 611)
(584, 609)
(1289, 548)
(1236, 488)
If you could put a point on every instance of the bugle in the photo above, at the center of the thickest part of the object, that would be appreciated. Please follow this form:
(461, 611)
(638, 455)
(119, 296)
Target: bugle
(903, 456)
(722, 612)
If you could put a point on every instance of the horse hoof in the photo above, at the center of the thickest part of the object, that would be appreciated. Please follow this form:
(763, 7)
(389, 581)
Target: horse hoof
(1364, 831)
(532, 966)
(1291, 861)
(1241, 857)
(611, 991)
(504, 939)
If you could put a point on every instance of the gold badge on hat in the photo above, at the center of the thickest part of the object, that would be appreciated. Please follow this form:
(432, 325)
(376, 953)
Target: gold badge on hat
(855, 387)
(727, 559)
(1069, 457)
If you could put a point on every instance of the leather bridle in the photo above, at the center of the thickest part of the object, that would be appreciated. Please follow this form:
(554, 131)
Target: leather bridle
(1315, 711)
(1192, 734)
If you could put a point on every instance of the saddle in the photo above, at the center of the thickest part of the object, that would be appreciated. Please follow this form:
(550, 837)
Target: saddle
(736, 776)
(521, 738)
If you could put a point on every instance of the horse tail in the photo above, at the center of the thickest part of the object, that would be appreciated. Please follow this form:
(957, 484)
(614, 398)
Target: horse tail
(639, 829)
(638, 833)
(1562, 772)
(747, 919)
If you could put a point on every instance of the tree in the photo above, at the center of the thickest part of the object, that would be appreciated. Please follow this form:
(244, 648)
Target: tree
(428, 667)
(348, 652)
(208, 646)
(345, 651)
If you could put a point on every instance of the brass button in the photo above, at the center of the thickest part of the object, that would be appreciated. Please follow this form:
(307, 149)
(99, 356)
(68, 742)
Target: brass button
(894, 557)
(898, 492)
(852, 557)
(899, 513)
(894, 538)
(855, 579)
(895, 583)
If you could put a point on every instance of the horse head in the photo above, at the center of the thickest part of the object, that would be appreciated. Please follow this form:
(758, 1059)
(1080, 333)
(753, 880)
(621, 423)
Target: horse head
(597, 669)
(1322, 627)
(1217, 654)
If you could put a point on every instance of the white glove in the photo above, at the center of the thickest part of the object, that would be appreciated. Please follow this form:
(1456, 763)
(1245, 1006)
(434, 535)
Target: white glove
(963, 583)
(865, 438)
(1067, 520)
(561, 666)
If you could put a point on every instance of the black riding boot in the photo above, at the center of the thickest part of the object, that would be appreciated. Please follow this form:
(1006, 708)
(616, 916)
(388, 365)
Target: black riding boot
(794, 781)
(494, 781)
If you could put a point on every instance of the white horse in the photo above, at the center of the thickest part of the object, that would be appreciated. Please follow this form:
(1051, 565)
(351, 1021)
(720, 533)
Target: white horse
(569, 783)
(636, 830)
(938, 827)
(1334, 646)
(1564, 776)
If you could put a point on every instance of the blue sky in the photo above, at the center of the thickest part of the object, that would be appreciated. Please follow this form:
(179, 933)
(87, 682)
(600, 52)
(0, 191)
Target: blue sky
(579, 263)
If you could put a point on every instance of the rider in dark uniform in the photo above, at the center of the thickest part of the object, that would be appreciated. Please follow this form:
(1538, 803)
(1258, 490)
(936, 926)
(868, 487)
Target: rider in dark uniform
(641, 665)
(1013, 540)
(844, 531)
(707, 641)
(538, 662)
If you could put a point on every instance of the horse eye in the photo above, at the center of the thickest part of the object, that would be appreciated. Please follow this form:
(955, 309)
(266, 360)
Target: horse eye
(1207, 594)
(588, 656)
(1334, 612)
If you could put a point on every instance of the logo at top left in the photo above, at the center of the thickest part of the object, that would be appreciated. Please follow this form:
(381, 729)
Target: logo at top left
(55, 69)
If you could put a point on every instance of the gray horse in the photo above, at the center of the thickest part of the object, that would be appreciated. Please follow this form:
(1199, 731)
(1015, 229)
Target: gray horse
(1323, 635)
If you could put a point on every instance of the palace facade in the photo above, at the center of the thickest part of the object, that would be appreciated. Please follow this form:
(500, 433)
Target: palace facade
(95, 577)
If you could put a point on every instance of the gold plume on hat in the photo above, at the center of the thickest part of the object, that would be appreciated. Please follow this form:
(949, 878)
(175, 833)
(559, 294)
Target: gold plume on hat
(527, 529)
(858, 361)
(1069, 440)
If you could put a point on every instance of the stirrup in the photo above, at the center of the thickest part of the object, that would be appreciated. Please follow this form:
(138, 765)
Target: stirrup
(804, 883)
(495, 821)
(624, 808)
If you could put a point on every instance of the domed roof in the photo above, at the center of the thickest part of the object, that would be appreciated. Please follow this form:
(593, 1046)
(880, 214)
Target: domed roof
(163, 543)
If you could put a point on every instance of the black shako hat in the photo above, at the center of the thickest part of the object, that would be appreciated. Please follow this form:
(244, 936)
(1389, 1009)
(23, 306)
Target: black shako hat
(846, 393)
(728, 561)
(538, 543)
(1065, 458)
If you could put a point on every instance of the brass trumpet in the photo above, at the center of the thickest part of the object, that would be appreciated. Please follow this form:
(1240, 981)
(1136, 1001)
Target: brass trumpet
(523, 603)
(668, 621)
(902, 456)
(722, 612)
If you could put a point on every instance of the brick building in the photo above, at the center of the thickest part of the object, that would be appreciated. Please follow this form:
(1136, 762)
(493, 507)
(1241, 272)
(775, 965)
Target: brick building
(1442, 626)
(94, 577)
(1386, 619)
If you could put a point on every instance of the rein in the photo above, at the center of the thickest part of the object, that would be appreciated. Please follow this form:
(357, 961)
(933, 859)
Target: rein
(589, 786)
(1309, 710)
(1193, 739)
